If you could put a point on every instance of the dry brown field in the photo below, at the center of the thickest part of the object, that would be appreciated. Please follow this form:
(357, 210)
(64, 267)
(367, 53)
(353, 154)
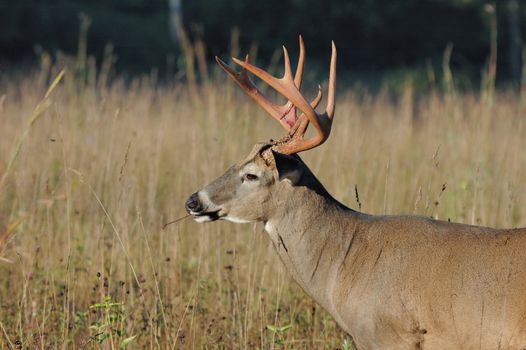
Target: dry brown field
(85, 263)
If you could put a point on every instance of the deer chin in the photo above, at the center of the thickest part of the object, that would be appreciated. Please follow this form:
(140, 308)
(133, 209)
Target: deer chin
(205, 217)
(235, 219)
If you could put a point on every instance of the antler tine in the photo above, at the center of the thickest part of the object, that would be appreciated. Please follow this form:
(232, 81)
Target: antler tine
(288, 71)
(318, 97)
(301, 62)
(331, 105)
(295, 142)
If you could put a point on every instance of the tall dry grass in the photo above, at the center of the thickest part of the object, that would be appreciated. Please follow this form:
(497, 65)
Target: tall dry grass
(104, 166)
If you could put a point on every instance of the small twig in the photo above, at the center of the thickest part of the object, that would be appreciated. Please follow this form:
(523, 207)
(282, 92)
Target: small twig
(175, 221)
(6, 336)
(357, 197)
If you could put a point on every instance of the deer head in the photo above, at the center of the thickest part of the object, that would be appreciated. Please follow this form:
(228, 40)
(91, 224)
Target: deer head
(247, 191)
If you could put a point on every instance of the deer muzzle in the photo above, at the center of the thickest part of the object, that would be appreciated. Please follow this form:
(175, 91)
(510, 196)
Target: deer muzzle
(201, 209)
(193, 205)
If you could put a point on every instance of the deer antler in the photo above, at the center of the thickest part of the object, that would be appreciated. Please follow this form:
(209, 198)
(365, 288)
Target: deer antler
(284, 114)
(289, 87)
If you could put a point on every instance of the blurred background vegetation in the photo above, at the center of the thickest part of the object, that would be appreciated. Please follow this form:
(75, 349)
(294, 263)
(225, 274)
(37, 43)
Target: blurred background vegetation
(374, 37)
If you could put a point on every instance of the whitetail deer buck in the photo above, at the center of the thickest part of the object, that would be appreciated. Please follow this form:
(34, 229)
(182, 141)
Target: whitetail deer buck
(391, 282)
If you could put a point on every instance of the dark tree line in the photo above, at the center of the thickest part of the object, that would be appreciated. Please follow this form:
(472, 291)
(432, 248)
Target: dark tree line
(371, 34)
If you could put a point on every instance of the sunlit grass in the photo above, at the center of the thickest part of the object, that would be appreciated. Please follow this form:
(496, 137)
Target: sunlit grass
(87, 263)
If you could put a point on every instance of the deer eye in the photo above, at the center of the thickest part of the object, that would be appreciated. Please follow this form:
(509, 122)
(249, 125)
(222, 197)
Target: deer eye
(250, 177)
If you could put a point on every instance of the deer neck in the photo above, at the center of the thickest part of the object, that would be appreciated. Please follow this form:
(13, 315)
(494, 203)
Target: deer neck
(312, 233)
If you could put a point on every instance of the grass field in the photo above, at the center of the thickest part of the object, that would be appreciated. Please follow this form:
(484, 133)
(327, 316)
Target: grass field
(85, 262)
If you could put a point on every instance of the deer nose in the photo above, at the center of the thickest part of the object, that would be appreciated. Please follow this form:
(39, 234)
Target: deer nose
(193, 204)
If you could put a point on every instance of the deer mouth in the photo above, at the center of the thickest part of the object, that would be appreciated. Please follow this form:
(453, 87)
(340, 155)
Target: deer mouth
(206, 216)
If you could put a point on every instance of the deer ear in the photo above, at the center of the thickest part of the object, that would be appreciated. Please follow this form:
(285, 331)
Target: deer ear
(289, 167)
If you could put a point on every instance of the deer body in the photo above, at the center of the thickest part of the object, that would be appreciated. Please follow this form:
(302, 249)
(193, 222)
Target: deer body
(391, 282)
